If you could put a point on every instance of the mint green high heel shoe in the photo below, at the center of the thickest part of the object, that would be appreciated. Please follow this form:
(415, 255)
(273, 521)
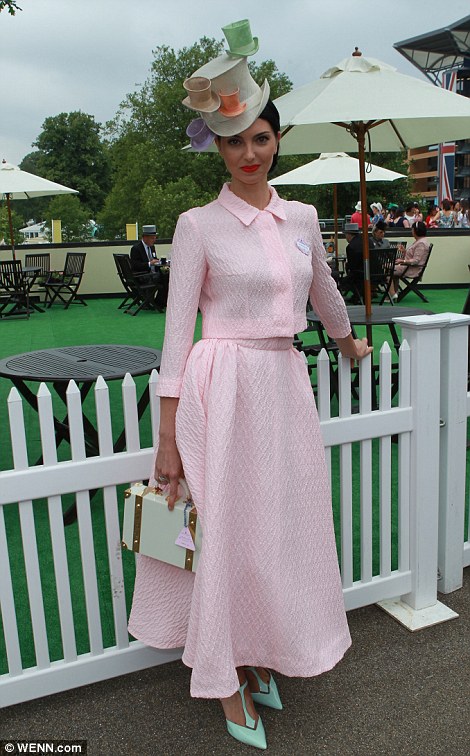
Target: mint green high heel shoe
(268, 693)
(252, 733)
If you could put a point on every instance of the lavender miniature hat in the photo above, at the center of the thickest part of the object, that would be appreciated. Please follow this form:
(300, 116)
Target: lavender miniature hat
(200, 135)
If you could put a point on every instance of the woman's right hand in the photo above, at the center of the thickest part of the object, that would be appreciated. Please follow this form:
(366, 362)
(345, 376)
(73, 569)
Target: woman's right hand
(168, 465)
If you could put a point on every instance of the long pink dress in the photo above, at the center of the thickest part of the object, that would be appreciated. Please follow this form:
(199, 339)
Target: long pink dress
(267, 590)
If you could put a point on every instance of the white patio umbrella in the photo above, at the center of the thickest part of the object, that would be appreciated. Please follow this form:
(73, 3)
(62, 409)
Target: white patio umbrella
(363, 99)
(334, 168)
(16, 184)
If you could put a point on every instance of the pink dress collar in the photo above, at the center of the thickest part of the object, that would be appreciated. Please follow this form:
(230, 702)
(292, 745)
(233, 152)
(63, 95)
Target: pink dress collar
(245, 212)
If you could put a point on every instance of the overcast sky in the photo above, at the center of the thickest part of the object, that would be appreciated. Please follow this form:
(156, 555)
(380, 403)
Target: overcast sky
(64, 55)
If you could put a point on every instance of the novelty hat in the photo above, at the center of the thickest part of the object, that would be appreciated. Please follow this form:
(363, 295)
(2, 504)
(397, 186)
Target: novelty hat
(223, 90)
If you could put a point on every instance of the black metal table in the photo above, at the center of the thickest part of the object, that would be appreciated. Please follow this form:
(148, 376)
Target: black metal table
(381, 316)
(83, 364)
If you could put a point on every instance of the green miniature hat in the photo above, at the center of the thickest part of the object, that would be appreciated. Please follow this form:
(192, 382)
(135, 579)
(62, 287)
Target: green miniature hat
(240, 40)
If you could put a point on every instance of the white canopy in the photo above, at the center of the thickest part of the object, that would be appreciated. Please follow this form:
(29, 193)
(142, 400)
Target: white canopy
(403, 110)
(23, 185)
(334, 168)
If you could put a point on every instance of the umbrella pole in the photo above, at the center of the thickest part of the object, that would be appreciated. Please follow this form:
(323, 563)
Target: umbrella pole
(10, 223)
(335, 215)
(360, 135)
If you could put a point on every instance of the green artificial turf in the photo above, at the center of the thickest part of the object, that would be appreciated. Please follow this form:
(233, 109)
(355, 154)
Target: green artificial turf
(100, 323)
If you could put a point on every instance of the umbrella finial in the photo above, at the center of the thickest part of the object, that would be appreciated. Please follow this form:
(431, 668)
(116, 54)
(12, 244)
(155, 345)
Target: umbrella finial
(357, 53)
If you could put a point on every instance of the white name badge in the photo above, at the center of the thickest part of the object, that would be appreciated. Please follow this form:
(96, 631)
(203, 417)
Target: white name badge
(303, 246)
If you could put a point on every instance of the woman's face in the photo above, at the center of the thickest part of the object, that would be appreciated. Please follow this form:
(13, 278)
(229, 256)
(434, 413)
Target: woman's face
(248, 156)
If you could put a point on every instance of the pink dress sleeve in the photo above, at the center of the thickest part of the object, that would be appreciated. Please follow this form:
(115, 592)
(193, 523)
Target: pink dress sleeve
(187, 273)
(324, 296)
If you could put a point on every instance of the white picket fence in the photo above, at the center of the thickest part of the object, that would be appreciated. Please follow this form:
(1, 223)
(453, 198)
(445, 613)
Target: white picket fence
(429, 421)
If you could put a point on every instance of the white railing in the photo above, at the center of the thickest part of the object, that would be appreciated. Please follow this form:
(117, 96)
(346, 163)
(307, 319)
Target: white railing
(418, 507)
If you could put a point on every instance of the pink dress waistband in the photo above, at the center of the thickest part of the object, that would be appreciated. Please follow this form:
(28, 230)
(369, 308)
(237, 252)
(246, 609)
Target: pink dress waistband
(275, 344)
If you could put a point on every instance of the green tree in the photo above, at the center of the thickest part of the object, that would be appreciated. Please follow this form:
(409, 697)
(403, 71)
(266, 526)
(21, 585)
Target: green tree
(74, 217)
(167, 203)
(34, 208)
(10, 5)
(72, 152)
(149, 131)
(17, 223)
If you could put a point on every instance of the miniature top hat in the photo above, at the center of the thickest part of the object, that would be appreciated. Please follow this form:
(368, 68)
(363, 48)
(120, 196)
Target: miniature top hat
(200, 95)
(231, 105)
(200, 135)
(228, 74)
(240, 40)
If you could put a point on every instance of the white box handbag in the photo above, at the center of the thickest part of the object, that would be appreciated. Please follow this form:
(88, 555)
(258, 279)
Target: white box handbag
(150, 528)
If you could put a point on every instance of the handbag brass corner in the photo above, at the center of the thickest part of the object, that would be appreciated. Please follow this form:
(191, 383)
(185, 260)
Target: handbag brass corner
(188, 562)
(137, 523)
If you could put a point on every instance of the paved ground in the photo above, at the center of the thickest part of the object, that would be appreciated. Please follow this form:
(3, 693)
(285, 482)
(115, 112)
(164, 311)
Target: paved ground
(394, 693)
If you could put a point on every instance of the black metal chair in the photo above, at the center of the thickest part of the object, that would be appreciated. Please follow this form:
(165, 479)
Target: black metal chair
(43, 262)
(140, 288)
(407, 284)
(64, 285)
(382, 277)
(14, 290)
(129, 292)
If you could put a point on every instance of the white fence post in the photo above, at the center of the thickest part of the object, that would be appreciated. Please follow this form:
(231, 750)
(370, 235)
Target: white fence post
(454, 369)
(420, 608)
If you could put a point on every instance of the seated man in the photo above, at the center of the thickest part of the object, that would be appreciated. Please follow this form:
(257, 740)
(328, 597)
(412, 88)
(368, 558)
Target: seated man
(143, 255)
(354, 280)
(377, 238)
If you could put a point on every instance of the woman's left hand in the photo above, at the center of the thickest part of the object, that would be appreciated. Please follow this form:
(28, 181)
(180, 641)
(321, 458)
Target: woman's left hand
(362, 349)
(355, 349)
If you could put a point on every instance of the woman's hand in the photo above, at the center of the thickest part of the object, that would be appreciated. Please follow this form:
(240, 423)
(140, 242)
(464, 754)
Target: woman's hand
(355, 349)
(362, 349)
(168, 466)
(168, 463)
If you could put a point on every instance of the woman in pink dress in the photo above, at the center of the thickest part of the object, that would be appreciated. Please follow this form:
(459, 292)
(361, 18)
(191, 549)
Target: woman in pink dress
(239, 422)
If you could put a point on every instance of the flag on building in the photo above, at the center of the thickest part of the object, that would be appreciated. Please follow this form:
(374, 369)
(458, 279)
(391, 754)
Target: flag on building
(446, 151)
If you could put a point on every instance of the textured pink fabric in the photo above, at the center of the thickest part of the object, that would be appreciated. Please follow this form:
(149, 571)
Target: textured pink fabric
(244, 269)
(267, 591)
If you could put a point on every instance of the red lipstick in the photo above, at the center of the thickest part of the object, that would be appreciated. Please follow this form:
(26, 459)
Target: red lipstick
(250, 168)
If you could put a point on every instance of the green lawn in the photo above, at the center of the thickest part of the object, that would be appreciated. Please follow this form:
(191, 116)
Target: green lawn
(102, 322)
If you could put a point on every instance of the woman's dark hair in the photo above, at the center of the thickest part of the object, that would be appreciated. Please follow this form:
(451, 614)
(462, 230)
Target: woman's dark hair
(271, 114)
(446, 204)
(419, 228)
